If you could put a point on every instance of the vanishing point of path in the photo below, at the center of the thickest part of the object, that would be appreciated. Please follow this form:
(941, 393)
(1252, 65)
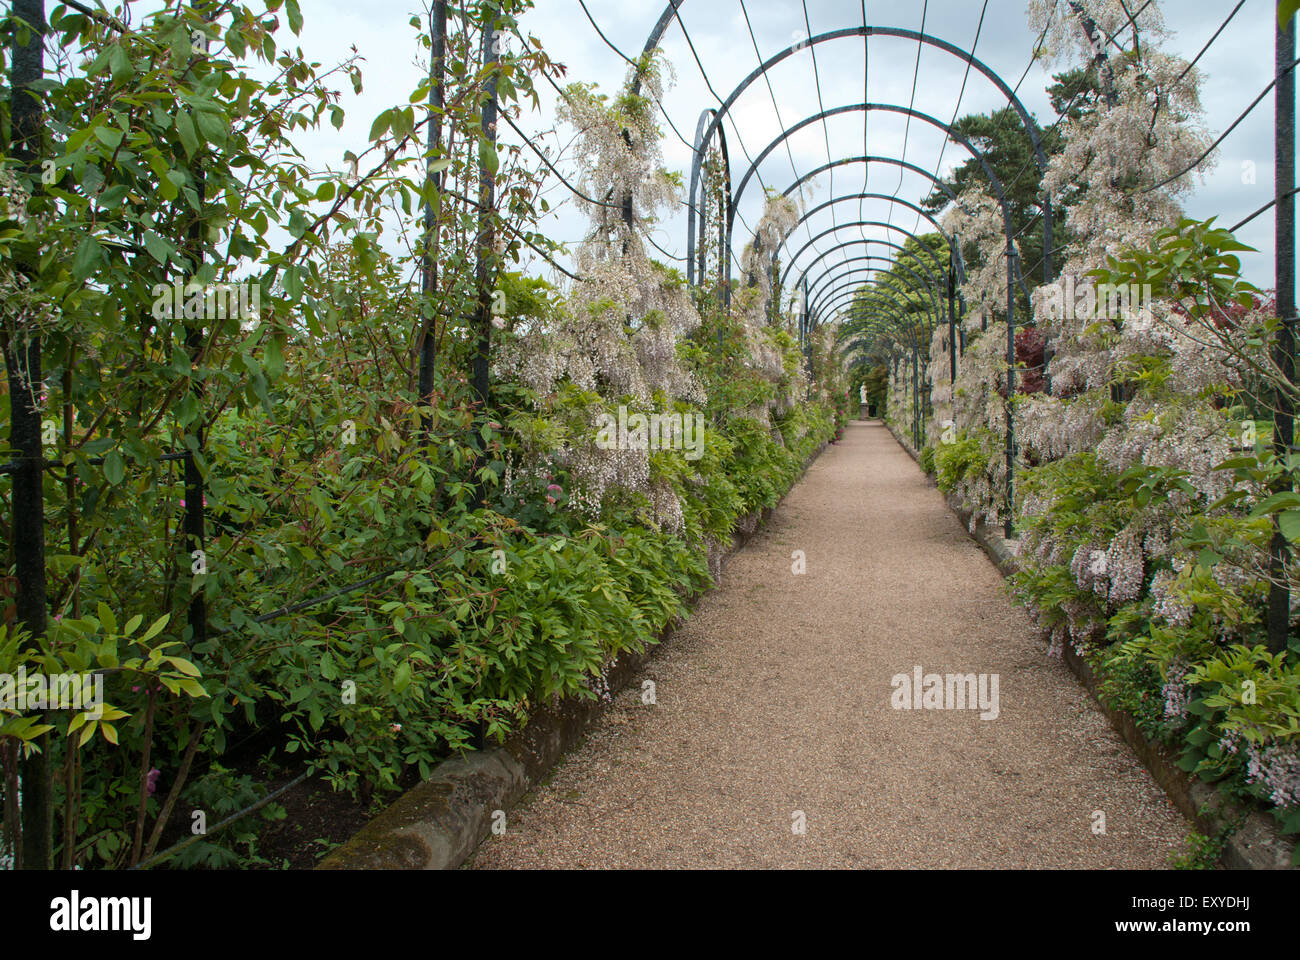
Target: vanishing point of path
(775, 698)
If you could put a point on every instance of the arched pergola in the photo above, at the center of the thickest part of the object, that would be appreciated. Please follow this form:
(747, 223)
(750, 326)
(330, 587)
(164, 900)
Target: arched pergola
(709, 130)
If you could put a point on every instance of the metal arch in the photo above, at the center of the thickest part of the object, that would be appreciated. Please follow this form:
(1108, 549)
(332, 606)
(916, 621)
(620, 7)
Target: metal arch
(868, 31)
(933, 282)
(1012, 260)
(829, 298)
(843, 299)
(696, 212)
(955, 247)
(868, 159)
(1013, 272)
(875, 301)
(932, 287)
(924, 262)
(934, 276)
(955, 301)
(892, 325)
(914, 283)
(843, 226)
(831, 276)
(882, 323)
(838, 303)
(938, 228)
(657, 34)
(862, 259)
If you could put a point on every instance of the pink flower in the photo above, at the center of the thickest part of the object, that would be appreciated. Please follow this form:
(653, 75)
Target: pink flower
(151, 781)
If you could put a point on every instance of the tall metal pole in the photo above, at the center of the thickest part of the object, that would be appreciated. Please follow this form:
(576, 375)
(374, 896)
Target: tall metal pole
(429, 287)
(485, 269)
(916, 402)
(1008, 524)
(952, 326)
(1279, 594)
(23, 365)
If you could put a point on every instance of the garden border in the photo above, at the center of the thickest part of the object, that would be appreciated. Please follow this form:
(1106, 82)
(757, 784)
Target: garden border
(438, 823)
(1258, 844)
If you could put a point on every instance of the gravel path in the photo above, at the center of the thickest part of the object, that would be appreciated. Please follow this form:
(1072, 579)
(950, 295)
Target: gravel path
(775, 698)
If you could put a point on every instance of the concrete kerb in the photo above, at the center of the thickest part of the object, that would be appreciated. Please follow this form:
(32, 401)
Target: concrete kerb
(1257, 844)
(438, 823)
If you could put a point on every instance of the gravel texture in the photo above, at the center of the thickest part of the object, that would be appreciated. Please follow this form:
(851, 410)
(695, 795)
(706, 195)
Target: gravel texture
(775, 698)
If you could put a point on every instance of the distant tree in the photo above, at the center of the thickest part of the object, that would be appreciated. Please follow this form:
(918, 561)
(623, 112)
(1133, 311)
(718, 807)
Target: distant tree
(1006, 145)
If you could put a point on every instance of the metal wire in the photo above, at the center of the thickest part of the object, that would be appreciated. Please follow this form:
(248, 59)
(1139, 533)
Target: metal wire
(907, 129)
(979, 28)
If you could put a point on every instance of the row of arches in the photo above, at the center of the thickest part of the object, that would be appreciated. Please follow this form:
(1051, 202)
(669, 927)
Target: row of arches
(831, 290)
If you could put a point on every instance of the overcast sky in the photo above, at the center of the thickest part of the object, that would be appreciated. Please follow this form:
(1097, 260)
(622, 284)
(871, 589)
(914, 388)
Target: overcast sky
(1238, 67)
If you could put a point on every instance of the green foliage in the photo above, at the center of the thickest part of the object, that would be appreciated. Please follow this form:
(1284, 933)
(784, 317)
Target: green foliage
(220, 793)
(1194, 263)
(955, 461)
(1200, 852)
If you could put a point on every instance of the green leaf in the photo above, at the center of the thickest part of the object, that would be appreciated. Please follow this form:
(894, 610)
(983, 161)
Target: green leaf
(186, 131)
(89, 255)
(1285, 11)
(381, 125)
(168, 188)
(158, 248)
(108, 136)
(120, 63)
(295, 16)
(114, 468)
(487, 156)
(1288, 521)
(273, 360)
(155, 628)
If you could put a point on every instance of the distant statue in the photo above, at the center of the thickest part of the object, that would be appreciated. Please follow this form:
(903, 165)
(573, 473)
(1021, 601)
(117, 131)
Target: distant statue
(862, 392)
